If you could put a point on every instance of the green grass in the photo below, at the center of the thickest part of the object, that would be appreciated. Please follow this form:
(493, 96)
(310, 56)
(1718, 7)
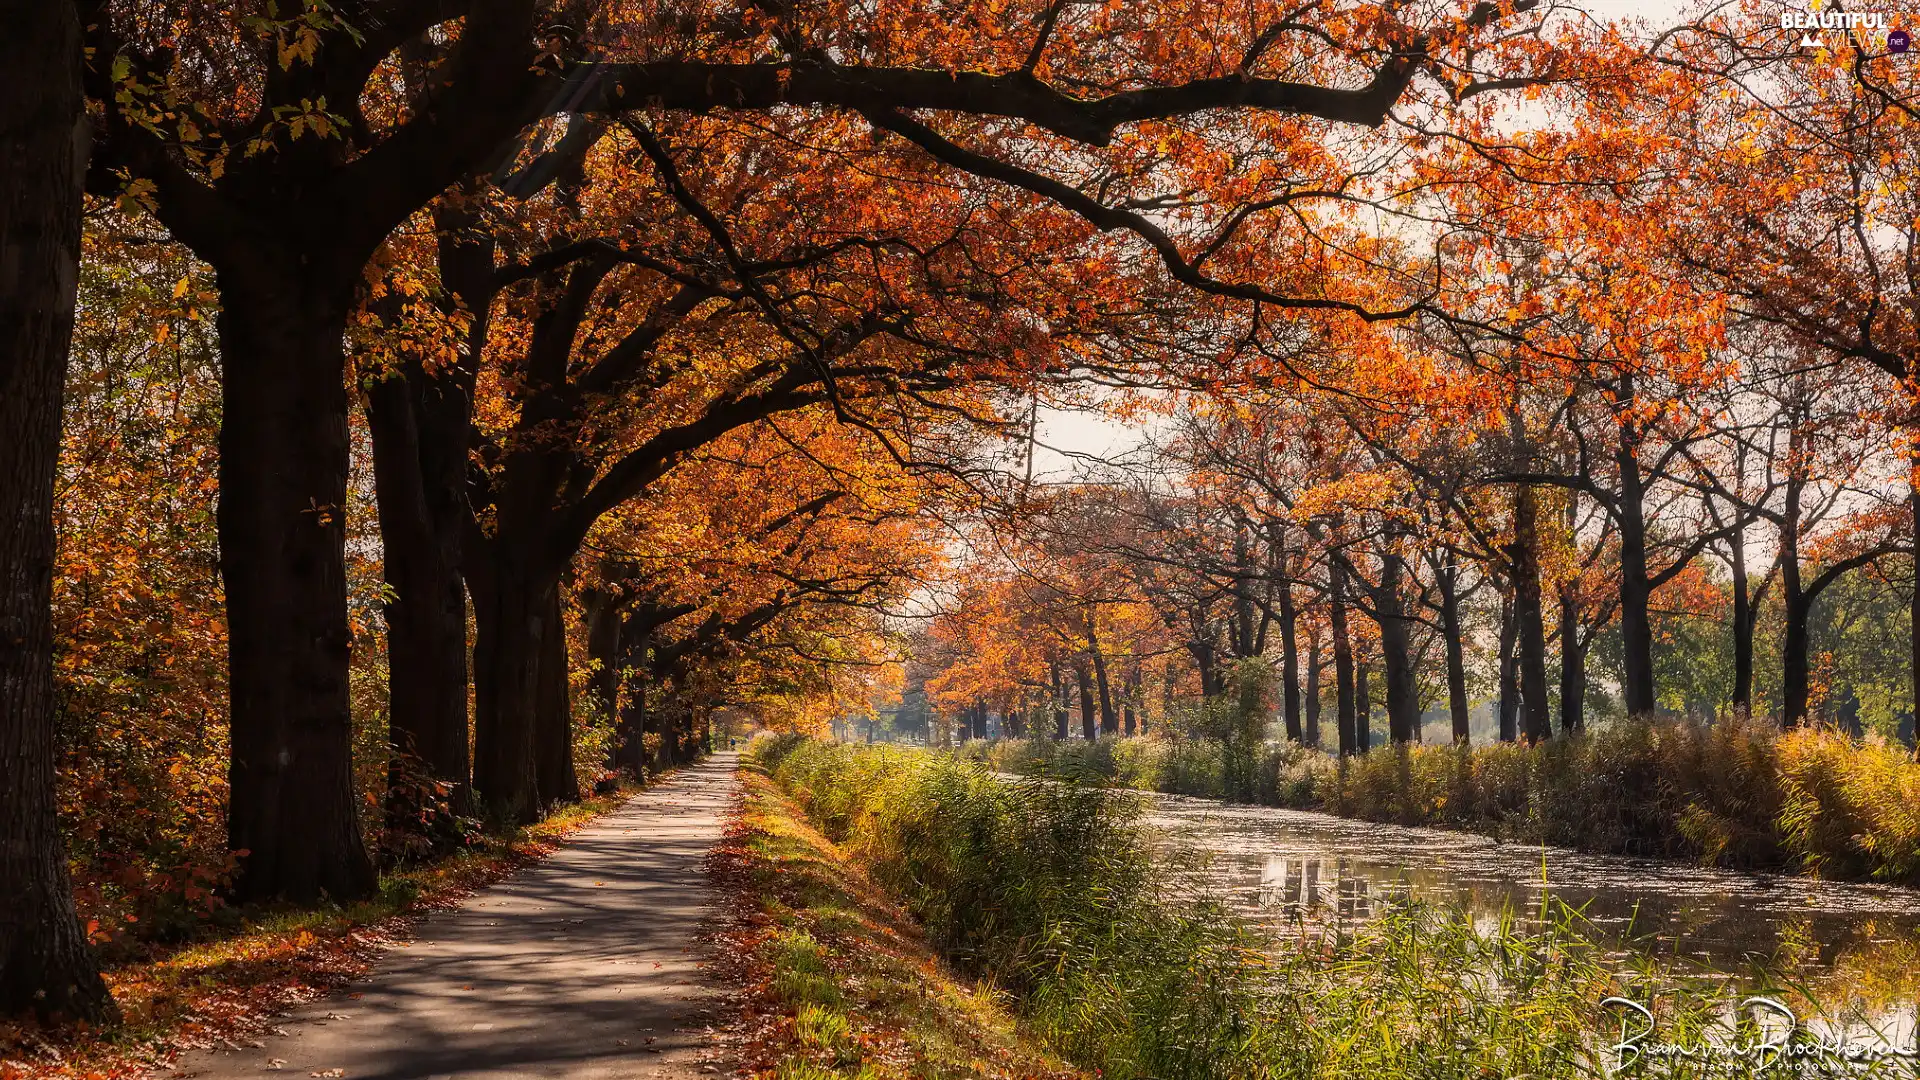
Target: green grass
(1050, 892)
(844, 986)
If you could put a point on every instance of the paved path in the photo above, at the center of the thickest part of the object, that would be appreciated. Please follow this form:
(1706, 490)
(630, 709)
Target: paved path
(582, 965)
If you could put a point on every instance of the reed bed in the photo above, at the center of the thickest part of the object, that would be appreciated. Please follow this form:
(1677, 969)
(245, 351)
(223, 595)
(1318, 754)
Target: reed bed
(1051, 892)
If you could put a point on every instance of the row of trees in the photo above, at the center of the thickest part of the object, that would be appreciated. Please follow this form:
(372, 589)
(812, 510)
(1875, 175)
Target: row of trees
(681, 319)
(1664, 413)
(1277, 533)
(575, 257)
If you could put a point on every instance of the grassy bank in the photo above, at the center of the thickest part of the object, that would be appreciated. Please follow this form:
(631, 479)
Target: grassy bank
(834, 980)
(1050, 892)
(1733, 794)
(223, 988)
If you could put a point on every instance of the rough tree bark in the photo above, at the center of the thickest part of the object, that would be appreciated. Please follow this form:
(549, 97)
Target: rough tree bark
(509, 609)
(1109, 720)
(633, 678)
(600, 616)
(426, 614)
(1362, 707)
(283, 493)
(45, 964)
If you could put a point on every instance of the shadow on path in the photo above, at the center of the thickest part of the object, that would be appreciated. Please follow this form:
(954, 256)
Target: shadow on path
(580, 965)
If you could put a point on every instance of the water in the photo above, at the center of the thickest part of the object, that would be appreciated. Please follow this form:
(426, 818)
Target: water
(1281, 865)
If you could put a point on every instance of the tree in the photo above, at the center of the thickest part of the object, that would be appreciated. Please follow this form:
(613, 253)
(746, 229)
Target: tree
(45, 963)
(270, 146)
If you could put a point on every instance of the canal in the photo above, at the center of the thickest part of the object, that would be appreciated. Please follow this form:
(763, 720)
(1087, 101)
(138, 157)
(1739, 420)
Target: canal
(1284, 866)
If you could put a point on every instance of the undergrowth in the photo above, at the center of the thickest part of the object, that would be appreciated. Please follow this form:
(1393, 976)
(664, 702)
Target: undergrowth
(1052, 891)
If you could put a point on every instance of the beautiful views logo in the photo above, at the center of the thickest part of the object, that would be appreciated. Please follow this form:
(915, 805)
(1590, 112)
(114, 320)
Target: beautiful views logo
(1874, 26)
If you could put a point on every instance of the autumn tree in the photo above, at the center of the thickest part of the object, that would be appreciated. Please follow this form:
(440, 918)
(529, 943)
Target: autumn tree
(45, 964)
(261, 141)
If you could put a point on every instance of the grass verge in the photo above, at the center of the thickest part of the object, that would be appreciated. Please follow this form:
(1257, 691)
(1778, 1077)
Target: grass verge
(1121, 964)
(831, 979)
(224, 991)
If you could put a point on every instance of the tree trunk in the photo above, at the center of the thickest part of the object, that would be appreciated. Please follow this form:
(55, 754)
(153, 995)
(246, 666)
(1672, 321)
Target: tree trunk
(421, 428)
(45, 965)
(1527, 613)
(1088, 728)
(1242, 635)
(1362, 707)
(426, 612)
(1636, 626)
(553, 715)
(657, 720)
(1451, 639)
(1795, 673)
(1743, 623)
(1290, 663)
(631, 675)
(1795, 678)
(509, 613)
(283, 493)
(600, 611)
(1509, 671)
(1573, 666)
(1204, 663)
(1396, 654)
(1109, 720)
(1060, 725)
(1342, 660)
(1310, 729)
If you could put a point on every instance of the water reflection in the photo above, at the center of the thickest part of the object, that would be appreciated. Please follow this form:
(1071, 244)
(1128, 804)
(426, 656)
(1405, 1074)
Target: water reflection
(1283, 865)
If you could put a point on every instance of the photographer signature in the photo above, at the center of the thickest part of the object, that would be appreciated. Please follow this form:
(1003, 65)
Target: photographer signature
(1784, 1043)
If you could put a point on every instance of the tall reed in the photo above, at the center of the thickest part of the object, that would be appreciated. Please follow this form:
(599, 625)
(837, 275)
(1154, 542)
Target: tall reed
(1053, 892)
